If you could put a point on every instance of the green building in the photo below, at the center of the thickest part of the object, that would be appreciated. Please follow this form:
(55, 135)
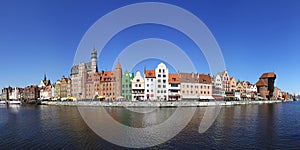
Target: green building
(126, 85)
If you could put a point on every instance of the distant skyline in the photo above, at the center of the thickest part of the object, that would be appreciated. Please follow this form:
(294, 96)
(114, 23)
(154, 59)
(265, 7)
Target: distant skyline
(41, 37)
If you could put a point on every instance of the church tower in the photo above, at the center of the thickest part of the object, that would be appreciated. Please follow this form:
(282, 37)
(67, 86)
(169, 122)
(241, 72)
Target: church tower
(94, 61)
(118, 72)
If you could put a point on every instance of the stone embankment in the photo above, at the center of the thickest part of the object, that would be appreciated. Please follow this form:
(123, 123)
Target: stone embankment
(156, 104)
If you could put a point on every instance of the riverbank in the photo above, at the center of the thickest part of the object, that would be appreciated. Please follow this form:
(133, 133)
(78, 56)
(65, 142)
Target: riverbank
(157, 104)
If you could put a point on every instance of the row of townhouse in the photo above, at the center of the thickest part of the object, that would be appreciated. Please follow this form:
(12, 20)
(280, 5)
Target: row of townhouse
(159, 84)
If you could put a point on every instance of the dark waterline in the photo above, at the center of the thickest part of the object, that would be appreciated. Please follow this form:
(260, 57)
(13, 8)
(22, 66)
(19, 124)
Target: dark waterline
(266, 126)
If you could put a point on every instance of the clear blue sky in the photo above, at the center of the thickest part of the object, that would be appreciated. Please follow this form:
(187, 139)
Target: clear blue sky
(39, 36)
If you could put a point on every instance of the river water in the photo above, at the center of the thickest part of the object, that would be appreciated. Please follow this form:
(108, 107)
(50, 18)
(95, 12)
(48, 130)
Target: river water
(265, 126)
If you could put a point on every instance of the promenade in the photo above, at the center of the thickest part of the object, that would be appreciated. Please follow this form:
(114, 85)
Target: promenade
(157, 104)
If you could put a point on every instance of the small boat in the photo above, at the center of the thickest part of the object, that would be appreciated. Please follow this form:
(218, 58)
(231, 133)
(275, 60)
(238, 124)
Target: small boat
(2, 102)
(14, 102)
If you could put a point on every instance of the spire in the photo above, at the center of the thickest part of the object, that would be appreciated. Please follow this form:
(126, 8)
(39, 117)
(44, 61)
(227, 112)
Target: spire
(45, 78)
(118, 66)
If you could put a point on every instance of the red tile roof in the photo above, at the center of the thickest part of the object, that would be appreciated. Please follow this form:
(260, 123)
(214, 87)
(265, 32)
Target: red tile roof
(174, 79)
(261, 82)
(150, 73)
(204, 78)
(268, 75)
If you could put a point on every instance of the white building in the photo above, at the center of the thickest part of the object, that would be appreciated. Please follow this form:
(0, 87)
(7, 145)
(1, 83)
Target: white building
(138, 87)
(217, 83)
(174, 87)
(225, 81)
(162, 82)
(150, 82)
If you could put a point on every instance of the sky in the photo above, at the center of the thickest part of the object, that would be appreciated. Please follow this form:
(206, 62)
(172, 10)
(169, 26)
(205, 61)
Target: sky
(40, 37)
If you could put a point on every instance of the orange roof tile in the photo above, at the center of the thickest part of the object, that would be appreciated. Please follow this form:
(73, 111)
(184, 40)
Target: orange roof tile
(268, 75)
(174, 79)
(150, 73)
(261, 82)
(204, 78)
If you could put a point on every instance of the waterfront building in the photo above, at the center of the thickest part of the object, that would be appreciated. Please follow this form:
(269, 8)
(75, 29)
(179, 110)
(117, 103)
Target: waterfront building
(6, 92)
(162, 82)
(111, 83)
(150, 84)
(31, 92)
(265, 85)
(62, 88)
(65, 87)
(45, 89)
(138, 87)
(232, 84)
(205, 86)
(174, 87)
(44, 82)
(218, 92)
(79, 74)
(225, 81)
(278, 93)
(87, 82)
(16, 93)
(189, 86)
(126, 85)
(56, 94)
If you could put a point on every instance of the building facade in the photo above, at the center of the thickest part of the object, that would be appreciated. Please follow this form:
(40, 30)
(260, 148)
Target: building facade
(189, 86)
(126, 85)
(232, 84)
(174, 87)
(218, 92)
(162, 82)
(88, 83)
(205, 86)
(225, 80)
(265, 85)
(150, 84)
(138, 87)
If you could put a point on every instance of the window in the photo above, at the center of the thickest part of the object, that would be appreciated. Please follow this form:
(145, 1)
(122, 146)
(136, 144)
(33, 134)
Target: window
(191, 86)
(187, 86)
(164, 81)
(158, 80)
(159, 70)
(136, 85)
(157, 91)
(137, 80)
(164, 76)
(147, 85)
(139, 85)
(159, 75)
(164, 86)
(183, 91)
(204, 92)
(208, 92)
(151, 79)
(159, 86)
(201, 87)
(147, 90)
(165, 91)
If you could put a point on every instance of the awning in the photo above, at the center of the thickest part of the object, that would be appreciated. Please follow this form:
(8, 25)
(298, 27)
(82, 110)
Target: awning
(206, 97)
(101, 97)
(218, 97)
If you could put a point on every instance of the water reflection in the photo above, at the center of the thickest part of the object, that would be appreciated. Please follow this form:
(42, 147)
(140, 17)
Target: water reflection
(266, 126)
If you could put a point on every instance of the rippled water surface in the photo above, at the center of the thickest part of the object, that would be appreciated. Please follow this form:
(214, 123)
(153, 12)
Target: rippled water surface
(266, 126)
